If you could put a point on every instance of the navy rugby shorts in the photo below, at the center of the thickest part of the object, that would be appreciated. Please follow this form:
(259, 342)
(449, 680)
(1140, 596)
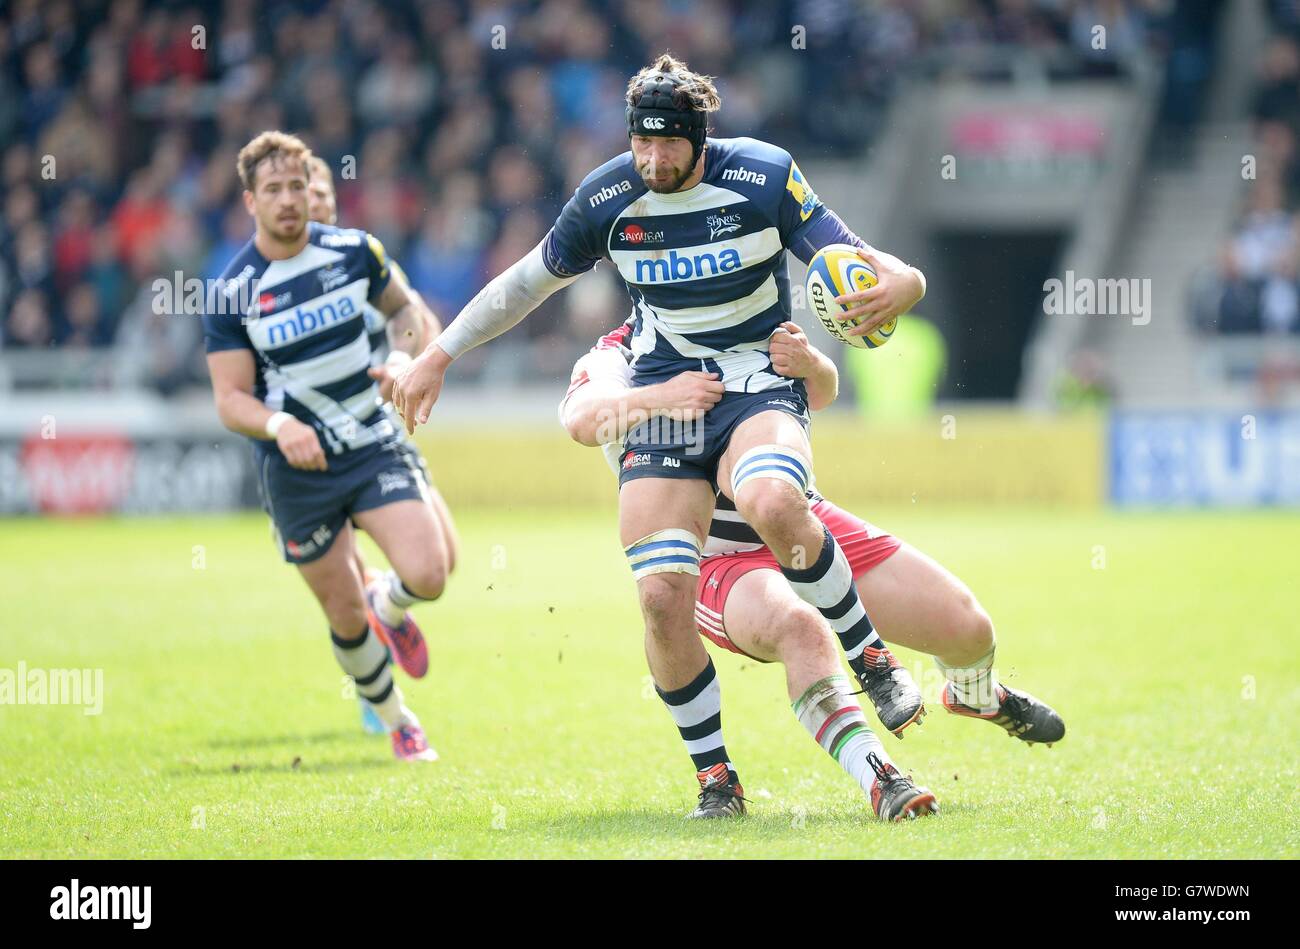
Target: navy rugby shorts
(668, 448)
(308, 509)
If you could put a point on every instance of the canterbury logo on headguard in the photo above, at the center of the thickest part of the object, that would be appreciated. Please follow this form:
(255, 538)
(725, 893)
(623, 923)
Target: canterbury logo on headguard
(652, 123)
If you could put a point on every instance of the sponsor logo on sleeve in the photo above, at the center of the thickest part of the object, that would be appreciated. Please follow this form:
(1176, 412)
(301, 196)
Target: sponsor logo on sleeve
(610, 191)
(744, 174)
(801, 191)
(381, 256)
(340, 240)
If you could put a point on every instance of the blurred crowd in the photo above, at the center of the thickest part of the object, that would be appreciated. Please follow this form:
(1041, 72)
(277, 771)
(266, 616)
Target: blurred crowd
(456, 131)
(1257, 287)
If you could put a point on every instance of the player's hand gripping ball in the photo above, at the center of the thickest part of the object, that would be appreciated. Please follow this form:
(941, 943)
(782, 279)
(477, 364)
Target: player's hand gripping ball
(835, 270)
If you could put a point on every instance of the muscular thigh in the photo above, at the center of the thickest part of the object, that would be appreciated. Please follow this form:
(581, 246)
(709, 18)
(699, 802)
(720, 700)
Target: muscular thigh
(336, 582)
(914, 602)
(443, 515)
(646, 505)
(408, 532)
(760, 605)
(773, 427)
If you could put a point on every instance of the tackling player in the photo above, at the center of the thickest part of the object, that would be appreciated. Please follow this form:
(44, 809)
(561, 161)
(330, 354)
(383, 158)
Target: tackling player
(698, 228)
(293, 374)
(915, 601)
(386, 360)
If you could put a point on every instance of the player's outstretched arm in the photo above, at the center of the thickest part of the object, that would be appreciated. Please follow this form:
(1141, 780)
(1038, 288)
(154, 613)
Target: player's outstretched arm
(240, 411)
(795, 357)
(411, 326)
(503, 303)
(601, 407)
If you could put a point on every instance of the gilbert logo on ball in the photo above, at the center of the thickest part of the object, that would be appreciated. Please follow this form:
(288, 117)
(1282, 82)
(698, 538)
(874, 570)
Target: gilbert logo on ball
(835, 270)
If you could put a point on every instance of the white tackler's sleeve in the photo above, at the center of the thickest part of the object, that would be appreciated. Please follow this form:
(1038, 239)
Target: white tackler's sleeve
(600, 365)
(597, 365)
(504, 302)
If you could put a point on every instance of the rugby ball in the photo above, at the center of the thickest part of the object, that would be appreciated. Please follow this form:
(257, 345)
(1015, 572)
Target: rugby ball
(834, 270)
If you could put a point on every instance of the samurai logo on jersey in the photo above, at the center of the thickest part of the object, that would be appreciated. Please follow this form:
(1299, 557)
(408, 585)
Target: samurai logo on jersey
(270, 302)
(636, 234)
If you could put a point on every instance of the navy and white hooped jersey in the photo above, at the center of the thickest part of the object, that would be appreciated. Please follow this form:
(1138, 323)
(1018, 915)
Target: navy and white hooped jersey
(705, 267)
(306, 328)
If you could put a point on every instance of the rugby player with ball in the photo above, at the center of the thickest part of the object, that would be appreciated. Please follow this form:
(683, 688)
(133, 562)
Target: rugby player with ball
(698, 228)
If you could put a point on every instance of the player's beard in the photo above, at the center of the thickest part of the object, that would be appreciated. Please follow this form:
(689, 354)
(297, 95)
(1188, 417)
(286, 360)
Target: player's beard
(675, 179)
(287, 232)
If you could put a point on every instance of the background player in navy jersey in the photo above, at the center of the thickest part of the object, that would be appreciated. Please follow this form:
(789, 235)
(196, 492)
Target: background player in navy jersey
(698, 229)
(414, 328)
(915, 601)
(293, 374)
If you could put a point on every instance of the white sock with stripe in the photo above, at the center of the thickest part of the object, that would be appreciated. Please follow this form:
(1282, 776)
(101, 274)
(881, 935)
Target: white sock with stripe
(394, 599)
(829, 713)
(696, 709)
(974, 685)
(365, 659)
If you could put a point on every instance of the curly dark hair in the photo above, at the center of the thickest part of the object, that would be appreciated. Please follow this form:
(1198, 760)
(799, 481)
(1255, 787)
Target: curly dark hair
(691, 90)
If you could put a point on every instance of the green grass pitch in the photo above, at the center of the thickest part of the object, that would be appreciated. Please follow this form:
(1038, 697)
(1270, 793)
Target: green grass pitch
(1170, 644)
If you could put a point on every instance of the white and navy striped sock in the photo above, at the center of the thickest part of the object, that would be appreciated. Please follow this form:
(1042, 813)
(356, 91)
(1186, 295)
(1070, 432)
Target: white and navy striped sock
(365, 659)
(696, 708)
(395, 599)
(828, 585)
